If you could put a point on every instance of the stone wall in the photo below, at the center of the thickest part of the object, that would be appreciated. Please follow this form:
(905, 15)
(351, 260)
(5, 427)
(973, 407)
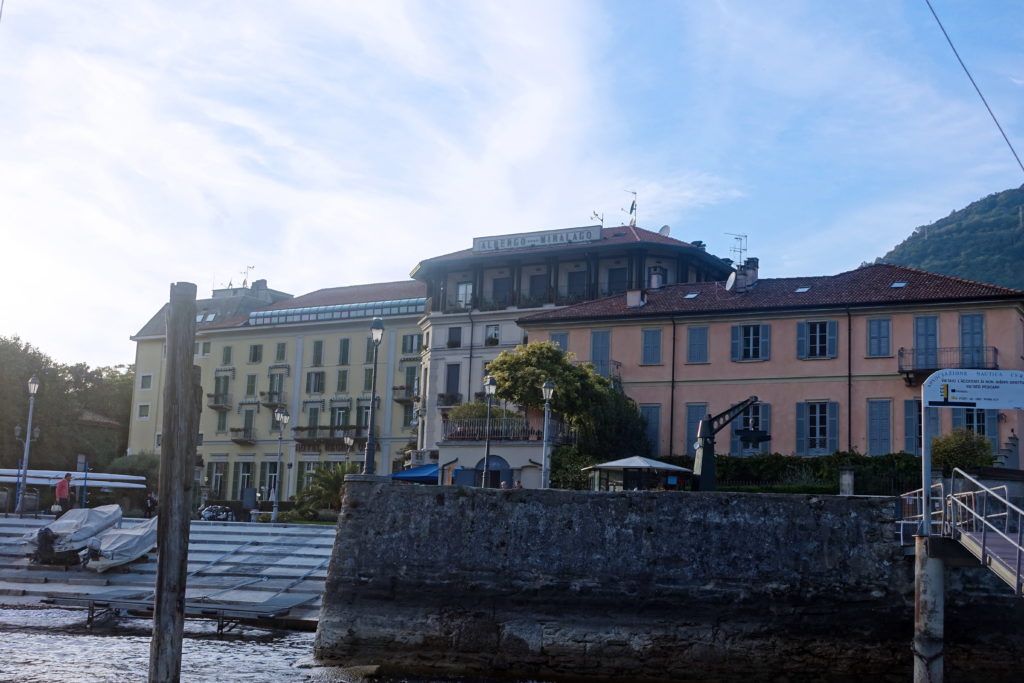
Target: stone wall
(639, 586)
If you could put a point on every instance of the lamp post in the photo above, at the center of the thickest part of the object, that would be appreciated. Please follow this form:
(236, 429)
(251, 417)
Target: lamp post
(33, 387)
(490, 386)
(369, 460)
(282, 417)
(548, 388)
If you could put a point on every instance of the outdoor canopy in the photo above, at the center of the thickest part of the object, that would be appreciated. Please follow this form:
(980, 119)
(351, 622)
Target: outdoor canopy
(637, 463)
(424, 474)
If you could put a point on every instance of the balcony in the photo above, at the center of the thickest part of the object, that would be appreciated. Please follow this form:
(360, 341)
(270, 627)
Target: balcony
(448, 400)
(609, 369)
(403, 394)
(273, 399)
(245, 436)
(219, 401)
(336, 438)
(504, 429)
(917, 363)
(418, 458)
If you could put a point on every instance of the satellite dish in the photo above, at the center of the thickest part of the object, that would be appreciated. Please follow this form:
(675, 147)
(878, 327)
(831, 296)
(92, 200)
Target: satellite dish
(731, 282)
(665, 230)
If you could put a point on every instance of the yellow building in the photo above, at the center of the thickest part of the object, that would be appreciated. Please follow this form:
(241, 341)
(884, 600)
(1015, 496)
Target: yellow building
(260, 350)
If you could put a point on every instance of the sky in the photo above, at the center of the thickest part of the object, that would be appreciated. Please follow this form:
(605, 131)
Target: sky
(329, 143)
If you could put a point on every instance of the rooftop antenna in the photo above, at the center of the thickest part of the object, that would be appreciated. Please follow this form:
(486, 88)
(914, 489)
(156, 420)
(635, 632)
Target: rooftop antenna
(632, 208)
(740, 248)
(245, 274)
(595, 216)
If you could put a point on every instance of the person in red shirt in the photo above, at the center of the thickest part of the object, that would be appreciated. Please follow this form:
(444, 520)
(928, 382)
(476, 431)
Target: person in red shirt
(64, 493)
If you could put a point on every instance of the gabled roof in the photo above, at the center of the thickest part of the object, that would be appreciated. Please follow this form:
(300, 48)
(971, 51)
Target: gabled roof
(622, 235)
(867, 286)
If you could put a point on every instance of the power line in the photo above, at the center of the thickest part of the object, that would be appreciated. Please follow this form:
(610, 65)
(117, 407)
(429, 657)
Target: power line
(976, 88)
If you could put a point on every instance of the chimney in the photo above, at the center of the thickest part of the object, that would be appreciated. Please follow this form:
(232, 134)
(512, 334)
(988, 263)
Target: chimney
(635, 298)
(746, 275)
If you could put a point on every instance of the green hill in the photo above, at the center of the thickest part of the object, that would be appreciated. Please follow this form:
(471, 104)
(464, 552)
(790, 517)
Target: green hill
(983, 241)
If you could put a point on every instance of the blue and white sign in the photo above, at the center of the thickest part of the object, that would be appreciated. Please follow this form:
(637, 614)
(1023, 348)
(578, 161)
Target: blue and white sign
(987, 389)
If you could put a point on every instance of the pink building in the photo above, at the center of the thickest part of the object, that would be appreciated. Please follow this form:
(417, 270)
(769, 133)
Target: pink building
(835, 361)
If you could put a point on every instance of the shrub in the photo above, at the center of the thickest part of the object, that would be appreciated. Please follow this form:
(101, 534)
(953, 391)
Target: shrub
(961, 448)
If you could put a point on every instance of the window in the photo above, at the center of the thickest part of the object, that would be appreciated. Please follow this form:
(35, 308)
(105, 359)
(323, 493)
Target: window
(313, 416)
(696, 345)
(751, 342)
(215, 480)
(879, 426)
(220, 389)
(464, 294)
(816, 339)
(222, 421)
(912, 425)
(275, 392)
(412, 343)
(243, 479)
(145, 382)
(492, 333)
(501, 290)
(757, 416)
(143, 411)
(256, 353)
(617, 280)
(980, 421)
(879, 338)
(281, 352)
(339, 416)
(408, 415)
(363, 416)
(369, 349)
(454, 337)
(318, 353)
(539, 287)
(202, 349)
(343, 352)
(802, 289)
(600, 341)
(651, 341)
(577, 284)
(306, 472)
(225, 356)
(972, 340)
(652, 420)
(342, 386)
(250, 385)
(561, 340)
(368, 379)
(410, 377)
(817, 428)
(451, 383)
(315, 382)
(268, 479)
(692, 295)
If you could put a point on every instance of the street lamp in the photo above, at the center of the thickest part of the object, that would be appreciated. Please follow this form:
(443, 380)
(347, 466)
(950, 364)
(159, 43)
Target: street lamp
(490, 386)
(33, 387)
(548, 388)
(282, 417)
(369, 460)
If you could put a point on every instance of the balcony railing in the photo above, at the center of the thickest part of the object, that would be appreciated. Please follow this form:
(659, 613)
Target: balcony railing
(273, 399)
(610, 369)
(445, 400)
(504, 429)
(317, 433)
(955, 357)
(243, 435)
(403, 394)
(219, 401)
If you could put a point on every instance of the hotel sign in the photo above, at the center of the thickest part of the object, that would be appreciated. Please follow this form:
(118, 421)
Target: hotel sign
(544, 238)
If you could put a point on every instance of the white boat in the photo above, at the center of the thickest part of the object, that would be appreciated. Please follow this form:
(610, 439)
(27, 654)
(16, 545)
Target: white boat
(60, 540)
(119, 546)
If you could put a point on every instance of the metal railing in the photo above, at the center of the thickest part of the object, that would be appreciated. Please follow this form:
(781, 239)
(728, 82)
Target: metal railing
(219, 400)
(911, 513)
(504, 429)
(956, 357)
(990, 526)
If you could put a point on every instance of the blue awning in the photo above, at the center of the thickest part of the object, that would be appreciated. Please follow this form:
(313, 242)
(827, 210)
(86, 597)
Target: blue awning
(424, 474)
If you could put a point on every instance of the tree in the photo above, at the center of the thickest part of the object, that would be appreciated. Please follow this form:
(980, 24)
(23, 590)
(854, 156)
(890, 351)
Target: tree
(962, 448)
(324, 488)
(607, 422)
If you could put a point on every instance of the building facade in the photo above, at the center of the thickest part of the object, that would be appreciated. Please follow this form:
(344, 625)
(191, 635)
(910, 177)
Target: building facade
(835, 361)
(475, 297)
(311, 356)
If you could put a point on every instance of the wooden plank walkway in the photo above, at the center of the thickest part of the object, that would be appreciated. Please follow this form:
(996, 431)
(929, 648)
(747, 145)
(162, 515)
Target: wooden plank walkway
(1001, 556)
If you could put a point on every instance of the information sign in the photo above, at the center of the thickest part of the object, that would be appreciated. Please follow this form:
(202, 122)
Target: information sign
(984, 389)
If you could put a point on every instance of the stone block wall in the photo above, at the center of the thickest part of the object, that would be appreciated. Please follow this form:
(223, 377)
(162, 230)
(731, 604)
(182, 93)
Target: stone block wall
(640, 586)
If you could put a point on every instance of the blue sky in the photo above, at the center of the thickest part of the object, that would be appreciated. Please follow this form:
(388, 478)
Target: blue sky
(334, 143)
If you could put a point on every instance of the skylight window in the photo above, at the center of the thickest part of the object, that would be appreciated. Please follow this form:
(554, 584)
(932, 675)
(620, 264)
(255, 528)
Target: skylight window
(898, 284)
(691, 295)
(801, 290)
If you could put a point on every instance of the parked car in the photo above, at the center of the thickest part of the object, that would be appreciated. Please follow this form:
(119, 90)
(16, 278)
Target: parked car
(217, 513)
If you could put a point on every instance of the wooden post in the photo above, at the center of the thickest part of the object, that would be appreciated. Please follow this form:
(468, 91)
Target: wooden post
(177, 452)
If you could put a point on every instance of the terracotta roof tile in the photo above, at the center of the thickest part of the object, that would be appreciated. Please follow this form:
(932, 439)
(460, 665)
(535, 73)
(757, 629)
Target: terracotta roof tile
(869, 285)
(355, 294)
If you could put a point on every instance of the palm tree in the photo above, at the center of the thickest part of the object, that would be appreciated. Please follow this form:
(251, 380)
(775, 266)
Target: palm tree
(324, 487)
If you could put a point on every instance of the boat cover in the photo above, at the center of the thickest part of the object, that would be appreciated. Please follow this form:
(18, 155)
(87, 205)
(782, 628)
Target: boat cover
(76, 527)
(117, 546)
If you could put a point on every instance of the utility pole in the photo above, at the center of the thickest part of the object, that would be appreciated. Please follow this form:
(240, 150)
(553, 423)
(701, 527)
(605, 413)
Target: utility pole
(182, 393)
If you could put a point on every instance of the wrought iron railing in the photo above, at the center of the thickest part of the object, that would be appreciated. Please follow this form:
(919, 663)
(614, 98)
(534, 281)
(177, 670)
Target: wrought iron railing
(504, 429)
(219, 401)
(955, 357)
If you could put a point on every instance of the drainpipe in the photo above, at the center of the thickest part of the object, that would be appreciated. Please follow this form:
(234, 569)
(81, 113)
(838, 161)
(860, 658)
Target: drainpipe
(672, 395)
(849, 380)
(469, 371)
